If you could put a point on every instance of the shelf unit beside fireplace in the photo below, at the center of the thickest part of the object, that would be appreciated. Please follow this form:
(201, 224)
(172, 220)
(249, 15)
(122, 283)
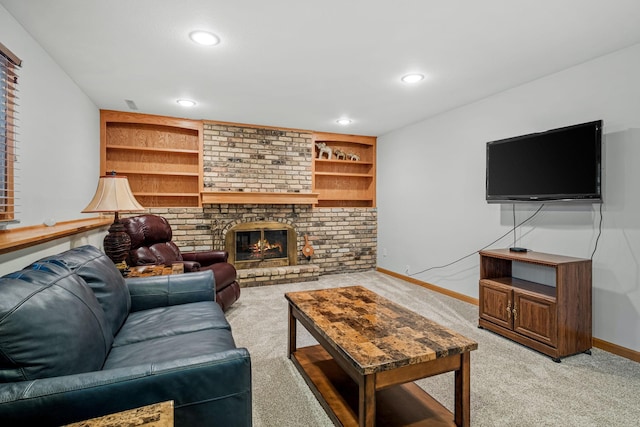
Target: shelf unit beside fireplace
(161, 156)
(344, 182)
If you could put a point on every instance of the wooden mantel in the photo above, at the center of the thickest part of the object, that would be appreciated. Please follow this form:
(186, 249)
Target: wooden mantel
(258, 198)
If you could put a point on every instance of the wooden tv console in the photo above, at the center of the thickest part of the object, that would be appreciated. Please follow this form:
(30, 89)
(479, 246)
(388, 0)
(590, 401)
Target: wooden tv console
(554, 320)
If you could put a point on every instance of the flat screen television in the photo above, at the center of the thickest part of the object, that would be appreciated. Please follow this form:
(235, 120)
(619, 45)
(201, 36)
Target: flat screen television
(561, 164)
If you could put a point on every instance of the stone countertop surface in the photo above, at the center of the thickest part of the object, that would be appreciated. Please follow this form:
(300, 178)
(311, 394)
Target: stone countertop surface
(155, 415)
(375, 333)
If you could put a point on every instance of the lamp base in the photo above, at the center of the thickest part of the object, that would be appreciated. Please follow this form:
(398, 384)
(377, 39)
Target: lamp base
(117, 242)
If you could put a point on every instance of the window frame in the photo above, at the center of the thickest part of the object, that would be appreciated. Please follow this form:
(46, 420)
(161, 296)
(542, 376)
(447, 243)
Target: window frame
(9, 64)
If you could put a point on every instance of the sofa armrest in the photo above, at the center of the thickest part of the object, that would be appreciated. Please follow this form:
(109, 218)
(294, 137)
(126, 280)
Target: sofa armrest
(206, 257)
(162, 291)
(203, 388)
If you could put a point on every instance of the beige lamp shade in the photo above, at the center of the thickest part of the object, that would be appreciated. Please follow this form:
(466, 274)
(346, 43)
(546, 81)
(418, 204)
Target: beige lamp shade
(113, 195)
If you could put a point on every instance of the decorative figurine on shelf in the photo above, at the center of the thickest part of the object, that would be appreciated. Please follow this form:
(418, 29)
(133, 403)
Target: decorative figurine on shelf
(353, 157)
(340, 154)
(323, 149)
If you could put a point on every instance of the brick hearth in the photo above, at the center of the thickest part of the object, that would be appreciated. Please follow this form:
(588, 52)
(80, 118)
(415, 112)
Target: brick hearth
(273, 276)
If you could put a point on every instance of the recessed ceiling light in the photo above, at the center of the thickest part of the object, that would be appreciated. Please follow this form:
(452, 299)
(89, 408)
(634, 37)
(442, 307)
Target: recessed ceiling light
(412, 78)
(204, 38)
(343, 121)
(186, 102)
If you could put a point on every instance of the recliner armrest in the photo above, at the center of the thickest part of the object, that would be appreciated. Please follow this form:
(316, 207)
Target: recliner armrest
(206, 257)
(162, 291)
(190, 266)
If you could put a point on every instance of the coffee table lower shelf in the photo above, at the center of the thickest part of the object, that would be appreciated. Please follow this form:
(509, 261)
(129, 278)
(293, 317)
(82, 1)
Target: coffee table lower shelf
(400, 405)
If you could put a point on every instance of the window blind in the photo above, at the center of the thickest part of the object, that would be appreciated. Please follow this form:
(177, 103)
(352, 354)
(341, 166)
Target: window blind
(9, 65)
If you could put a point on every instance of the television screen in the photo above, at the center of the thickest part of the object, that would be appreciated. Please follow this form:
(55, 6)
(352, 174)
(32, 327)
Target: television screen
(559, 164)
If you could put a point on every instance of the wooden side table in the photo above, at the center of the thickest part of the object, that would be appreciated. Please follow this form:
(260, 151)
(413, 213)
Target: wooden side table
(155, 270)
(156, 415)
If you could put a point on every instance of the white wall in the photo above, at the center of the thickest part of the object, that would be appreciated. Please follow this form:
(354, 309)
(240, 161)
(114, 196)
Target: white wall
(431, 202)
(59, 134)
(59, 147)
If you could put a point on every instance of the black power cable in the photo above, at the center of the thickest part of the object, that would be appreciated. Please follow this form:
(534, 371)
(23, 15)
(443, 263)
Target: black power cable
(599, 233)
(484, 247)
(513, 210)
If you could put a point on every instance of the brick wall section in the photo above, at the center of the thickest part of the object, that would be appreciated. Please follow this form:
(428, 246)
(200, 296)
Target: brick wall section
(253, 159)
(190, 227)
(343, 239)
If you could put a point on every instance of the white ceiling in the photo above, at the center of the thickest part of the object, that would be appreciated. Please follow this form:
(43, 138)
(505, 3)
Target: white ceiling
(304, 64)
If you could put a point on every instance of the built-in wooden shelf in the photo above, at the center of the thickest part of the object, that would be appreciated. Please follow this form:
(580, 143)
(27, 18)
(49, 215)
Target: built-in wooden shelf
(356, 175)
(161, 156)
(342, 162)
(168, 173)
(159, 150)
(262, 198)
(344, 182)
(24, 237)
(163, 159)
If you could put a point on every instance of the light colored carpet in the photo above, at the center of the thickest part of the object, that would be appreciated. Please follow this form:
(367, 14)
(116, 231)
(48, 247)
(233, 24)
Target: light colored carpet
(510, 384)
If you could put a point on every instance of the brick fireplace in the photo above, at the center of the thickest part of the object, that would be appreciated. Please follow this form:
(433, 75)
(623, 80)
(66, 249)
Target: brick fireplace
(251, 159)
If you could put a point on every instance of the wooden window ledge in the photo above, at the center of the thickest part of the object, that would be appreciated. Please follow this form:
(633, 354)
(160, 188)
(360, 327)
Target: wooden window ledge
(24, 237)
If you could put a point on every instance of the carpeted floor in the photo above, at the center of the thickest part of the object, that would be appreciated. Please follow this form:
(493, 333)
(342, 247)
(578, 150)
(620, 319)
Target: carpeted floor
(510, 384)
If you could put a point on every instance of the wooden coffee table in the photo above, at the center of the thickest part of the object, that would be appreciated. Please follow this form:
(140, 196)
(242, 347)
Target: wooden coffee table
(370, 351)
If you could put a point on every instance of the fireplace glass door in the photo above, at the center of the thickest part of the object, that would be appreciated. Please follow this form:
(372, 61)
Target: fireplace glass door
(259, 245)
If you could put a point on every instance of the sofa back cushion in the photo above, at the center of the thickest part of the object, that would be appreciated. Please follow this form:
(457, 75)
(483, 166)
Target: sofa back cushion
(51, 324)
(102, 276)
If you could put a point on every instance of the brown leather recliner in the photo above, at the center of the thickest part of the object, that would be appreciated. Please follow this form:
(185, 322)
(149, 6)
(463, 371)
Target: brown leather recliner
(151, 244)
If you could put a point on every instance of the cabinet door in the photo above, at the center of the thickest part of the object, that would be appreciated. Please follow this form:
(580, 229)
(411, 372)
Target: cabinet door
(496, 303)
(535, 317)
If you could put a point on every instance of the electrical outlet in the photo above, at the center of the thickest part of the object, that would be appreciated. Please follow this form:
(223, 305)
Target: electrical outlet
(384, 252)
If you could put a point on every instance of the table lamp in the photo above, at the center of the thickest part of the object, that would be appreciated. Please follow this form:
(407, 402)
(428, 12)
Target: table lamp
(114, 195)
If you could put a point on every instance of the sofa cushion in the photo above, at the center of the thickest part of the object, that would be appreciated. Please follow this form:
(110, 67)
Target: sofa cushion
(174, 289)
(106, 281)
(170, 321)
(170, 348)
(51, 324)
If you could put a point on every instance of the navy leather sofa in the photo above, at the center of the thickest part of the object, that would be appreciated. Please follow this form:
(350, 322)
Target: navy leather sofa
(77, 341)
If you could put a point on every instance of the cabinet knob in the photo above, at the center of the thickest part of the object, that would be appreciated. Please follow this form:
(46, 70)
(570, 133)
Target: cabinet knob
(515, 314)
(509, 310)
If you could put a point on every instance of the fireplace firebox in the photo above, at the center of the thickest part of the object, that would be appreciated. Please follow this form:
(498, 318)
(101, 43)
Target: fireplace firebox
(261, 244)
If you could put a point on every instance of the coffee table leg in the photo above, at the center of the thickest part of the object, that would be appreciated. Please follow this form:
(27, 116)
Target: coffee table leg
(291, 346)
(367, 401)
(463, 391)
